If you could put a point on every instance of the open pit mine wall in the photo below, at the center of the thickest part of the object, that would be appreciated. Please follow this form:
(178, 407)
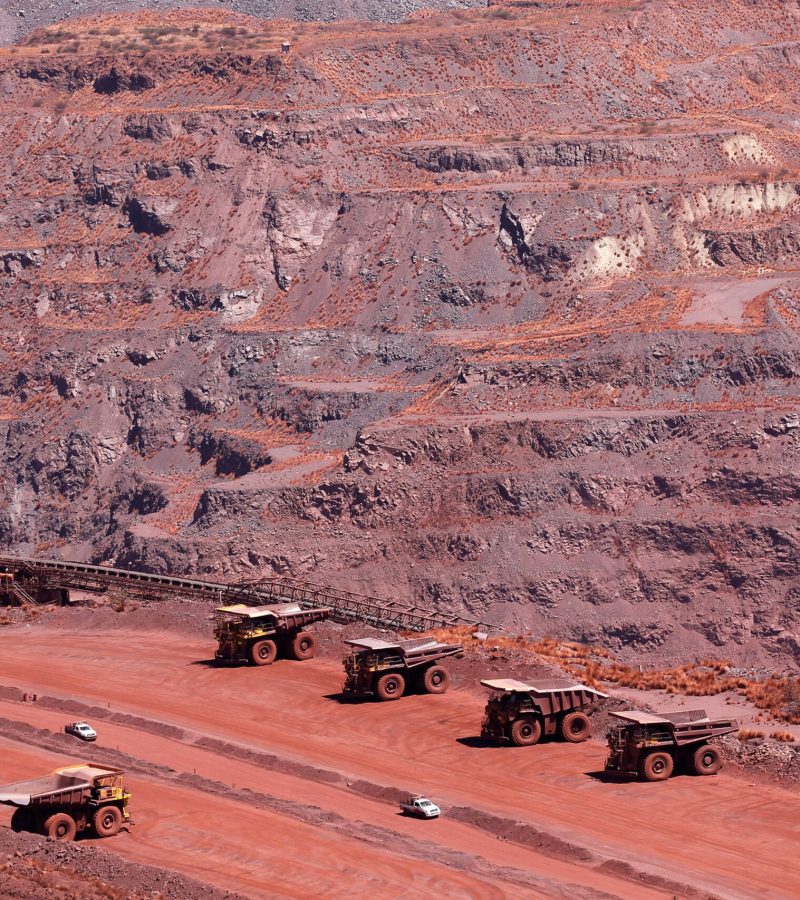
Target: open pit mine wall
(494, 313)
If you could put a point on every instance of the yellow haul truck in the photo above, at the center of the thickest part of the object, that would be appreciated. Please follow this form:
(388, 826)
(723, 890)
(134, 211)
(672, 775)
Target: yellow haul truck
(68, 801)
(258, 634)
(655, 746)
(521, 713)
(386, 669)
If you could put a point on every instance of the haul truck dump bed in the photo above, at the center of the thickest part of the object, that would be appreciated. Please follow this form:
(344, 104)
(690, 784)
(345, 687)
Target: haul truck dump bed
(522, 713)
(386, 668)
(258, 634)
(69, 800)
(654, 746)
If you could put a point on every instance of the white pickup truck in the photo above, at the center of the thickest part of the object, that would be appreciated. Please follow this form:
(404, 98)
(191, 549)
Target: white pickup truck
(81, 730)
(420, 807)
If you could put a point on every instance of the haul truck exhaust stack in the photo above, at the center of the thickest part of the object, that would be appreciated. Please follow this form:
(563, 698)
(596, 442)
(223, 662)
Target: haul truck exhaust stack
(521, 713)
(70, 800)
(258, 634)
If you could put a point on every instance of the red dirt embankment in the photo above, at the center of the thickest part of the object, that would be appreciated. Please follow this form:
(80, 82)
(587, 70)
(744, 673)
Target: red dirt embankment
(494, 311)
(275, 749)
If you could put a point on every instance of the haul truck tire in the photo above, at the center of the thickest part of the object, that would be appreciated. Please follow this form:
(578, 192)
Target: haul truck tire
(21, 820)
(391, 687)
(706, 760)
(657, 766)
(262, 653)
(575, 727)
(526, 731)
(302, 646)
(107, 821)
(60, 826)
(436, 680)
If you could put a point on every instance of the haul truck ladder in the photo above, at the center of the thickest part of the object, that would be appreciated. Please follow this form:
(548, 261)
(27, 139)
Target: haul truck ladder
(40, 577)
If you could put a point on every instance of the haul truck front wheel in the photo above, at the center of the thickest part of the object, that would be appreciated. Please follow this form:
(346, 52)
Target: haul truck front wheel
(262, 653)
(391, 687)
(526, 731)
(657, 766)
(107, 821)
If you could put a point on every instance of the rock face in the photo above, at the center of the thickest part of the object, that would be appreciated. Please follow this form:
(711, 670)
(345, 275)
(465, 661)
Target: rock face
(149, 215)
(296, 229)
(489, 310)
(772, 245)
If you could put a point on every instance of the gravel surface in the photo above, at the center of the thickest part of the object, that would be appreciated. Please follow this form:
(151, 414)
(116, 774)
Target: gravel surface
(18, 17)
(38, 868)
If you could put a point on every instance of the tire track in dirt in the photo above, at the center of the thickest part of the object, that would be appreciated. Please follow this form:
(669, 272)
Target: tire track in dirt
(529, 836)
(501, 828)
(378, 836)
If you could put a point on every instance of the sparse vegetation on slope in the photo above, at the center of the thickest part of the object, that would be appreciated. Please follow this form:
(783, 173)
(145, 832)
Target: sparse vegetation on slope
(596, 666)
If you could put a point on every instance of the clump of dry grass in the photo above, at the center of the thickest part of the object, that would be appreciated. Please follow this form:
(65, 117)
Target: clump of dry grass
(748, 734)
(785, 737)
(779, 696)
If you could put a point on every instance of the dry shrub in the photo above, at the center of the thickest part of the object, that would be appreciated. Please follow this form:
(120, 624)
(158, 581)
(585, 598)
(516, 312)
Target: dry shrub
(785, 737)
(747, 734)
(779, 696)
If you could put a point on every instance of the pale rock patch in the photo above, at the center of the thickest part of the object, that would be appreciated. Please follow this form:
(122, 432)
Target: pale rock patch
(610, 257)
(736, 201)
(741, 148)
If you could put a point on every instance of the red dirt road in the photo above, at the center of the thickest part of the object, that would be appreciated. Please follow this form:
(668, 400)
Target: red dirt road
(253, 851)
(153, 831)
(719, 835)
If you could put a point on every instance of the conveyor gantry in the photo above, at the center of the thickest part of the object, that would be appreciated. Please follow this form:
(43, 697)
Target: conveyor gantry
(31, 578)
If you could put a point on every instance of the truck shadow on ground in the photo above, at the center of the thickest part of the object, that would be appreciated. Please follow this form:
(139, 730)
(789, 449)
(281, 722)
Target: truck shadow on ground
(339, 697)
(227, 664)
(94, 840)
(612, 777)
(475, 740)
